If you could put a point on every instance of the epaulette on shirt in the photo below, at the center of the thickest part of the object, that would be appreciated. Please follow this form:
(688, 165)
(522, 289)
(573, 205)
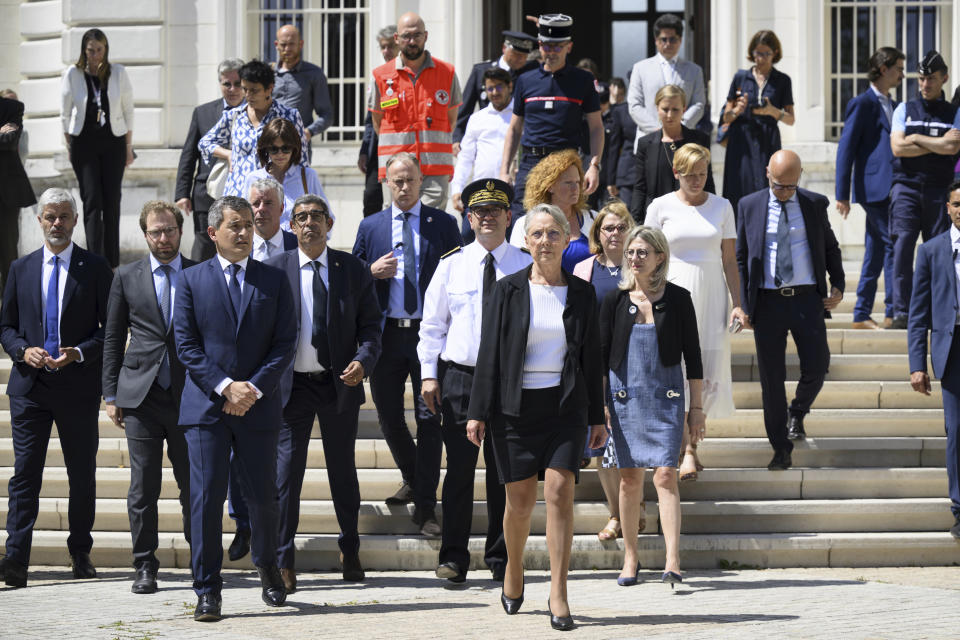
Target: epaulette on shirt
(451, 252)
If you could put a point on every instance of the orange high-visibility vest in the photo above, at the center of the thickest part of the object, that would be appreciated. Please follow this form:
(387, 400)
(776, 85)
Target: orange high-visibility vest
(415, 116)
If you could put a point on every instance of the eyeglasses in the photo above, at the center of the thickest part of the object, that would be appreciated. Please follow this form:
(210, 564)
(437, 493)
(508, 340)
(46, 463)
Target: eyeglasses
(668, 39)
(614, 228)
(275, 150)
(313, 215)
(168, 231)
(637, 253)
(552, 47)
(552, 236)
(486, 212)
(410, 37)
(231, 85)
(763, 54)
(776, 186)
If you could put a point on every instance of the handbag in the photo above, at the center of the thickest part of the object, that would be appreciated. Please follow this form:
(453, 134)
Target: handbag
(217, 180)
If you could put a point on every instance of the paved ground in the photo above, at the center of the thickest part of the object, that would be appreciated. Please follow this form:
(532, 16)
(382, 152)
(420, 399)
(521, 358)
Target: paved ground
(789, 603)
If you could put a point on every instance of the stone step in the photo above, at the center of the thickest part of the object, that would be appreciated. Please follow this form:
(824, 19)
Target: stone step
(714, 453)
(848, 367)
(697, 551)
(713, 484)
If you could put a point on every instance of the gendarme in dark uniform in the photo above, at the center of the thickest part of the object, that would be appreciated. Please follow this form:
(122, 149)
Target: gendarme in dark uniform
(516, 47)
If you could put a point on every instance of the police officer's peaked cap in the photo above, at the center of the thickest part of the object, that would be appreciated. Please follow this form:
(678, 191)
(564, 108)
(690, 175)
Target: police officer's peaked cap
(931, 63)
(487, 191)
(555, 27)
(519, 40)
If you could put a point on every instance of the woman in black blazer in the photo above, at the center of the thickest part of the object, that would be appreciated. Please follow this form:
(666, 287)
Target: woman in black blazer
(538, 382)
(655, 152)
(645, 328)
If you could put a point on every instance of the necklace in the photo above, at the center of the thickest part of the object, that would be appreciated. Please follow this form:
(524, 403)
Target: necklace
(615, 271)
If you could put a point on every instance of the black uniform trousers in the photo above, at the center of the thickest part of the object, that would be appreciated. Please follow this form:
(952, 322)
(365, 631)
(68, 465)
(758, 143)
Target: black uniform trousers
(99, 160)
(419, 463)
(146, 428)
(311, 400)
(802, 316)
(372, 189)
(456, 383)
(50, 400)
(9, 238)
(203, 247)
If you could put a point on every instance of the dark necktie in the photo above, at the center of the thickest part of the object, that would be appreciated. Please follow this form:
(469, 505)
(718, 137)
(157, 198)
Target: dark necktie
(163, 374)
(784, 268)
(489, 278)
(51, 317)
(409, 268)
(235, 290)
(319, 337)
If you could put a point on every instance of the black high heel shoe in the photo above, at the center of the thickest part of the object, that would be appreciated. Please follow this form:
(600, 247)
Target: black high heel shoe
(671, 578)
(511, 605)
(560, 623)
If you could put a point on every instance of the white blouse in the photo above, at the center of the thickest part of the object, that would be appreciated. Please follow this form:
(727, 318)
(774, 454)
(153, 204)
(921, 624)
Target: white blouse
(546, 337)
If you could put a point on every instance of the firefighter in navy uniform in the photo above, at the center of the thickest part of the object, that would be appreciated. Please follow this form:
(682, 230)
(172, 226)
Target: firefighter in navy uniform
(925, 138)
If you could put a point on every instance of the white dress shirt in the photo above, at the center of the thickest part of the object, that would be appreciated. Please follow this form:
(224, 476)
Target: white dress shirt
(453, 305)
(799, 248)
(260, 246)
(241, 278)
(64, 269)
(158, 279)
(885, 103)
(306, 360)
(481, 149)
(395, 307)
(955, 243)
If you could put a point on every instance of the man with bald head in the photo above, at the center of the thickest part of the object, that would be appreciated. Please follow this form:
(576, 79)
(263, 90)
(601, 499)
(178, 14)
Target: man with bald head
(414, 102)
(785, 249)
(301, 85)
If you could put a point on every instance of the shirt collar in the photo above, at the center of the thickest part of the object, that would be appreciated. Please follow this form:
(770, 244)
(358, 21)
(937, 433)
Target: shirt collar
(292, 69)
(64, 255)
(954, 234)
(275, 241)
(155, 264)
(224, 263)
(773, 197)
(506, 109)
(664, 60)
(878, 93)
(396, 212)
(427, 62)
(502, 63)
(478, 254)
(305, 260)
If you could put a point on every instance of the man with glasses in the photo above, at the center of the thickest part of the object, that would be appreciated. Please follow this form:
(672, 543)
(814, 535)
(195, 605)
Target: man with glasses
(142, 382)
(925, 138)
(192, 173)
(651, 74)
(549, 106)
(402, 246)
(785, 249)
(449, 342)
(337, 346)
(414, 102)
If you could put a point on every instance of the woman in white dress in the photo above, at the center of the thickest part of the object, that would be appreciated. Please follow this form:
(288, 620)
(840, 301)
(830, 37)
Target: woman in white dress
(702, 234)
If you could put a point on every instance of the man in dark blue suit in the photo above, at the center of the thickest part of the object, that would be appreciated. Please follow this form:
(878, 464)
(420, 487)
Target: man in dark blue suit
(935, 307)
(236, 333)
(338, 343)
(864, 157)
(402, 247)
(51, 325)
(266, 199)
(785, 249)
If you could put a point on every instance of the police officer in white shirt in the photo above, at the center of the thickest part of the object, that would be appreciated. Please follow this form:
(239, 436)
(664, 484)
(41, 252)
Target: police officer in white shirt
(449, 342)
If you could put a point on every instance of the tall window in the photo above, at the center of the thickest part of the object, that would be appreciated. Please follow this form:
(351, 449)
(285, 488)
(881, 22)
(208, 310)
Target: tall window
(858, 28)
(632, 22)
(334, 34)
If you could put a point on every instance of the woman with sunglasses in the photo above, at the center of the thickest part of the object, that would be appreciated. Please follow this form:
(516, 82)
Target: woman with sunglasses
(279, 154)
(646, 328)
(760, 98)
(703, 245)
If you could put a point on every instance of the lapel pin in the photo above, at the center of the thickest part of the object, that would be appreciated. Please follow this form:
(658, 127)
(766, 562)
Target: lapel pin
(633, 308)
(429, 219)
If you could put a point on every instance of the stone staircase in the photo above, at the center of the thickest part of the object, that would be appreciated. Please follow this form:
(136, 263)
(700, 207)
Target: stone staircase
(868, 487)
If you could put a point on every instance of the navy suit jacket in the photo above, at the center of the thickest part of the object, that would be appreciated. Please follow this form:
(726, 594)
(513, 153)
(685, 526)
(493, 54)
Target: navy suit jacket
(289, 240)
(751, 244)
(212, 346)
(438, 235)
(864, 151)
(933, 305)
(83, 314)
(353, 320)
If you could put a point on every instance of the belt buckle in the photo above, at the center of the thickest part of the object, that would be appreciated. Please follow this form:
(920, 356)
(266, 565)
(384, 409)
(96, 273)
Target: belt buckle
(788, 292)
(404, 323)
(622, 394)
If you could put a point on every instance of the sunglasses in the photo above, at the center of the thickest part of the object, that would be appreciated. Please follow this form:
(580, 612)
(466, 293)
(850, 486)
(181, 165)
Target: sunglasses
(275, 150)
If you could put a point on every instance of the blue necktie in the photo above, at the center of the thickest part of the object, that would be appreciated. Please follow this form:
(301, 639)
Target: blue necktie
(409, 268)
(235, 290)
(51, 317)
(163, 375)
(783, 271)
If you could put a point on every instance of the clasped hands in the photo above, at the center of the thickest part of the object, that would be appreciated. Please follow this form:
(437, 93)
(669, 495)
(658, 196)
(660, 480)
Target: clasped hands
(38, 357)
(239, 396)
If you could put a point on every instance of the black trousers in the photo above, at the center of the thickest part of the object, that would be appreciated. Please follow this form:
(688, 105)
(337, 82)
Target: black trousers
(458, 483)
(99, 162)
(372, 190)
(203, 247)
(9, 238)
(147, 427)
(802, 316)
(338, 430)
(32, 417)
(419, 463)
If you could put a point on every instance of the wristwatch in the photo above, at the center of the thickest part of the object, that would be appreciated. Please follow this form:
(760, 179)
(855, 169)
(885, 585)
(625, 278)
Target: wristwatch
(21, 353)
(595, 163)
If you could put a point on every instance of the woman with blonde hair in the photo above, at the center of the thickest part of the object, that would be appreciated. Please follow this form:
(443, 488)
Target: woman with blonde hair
(558, 180)
(702, 234)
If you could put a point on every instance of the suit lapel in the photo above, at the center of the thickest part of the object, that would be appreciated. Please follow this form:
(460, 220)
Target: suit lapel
(247, 293)
(220, 284)
(386, 235)
(426, 229)
(149, 289)
(757, 228)
(292, 268)
(75, 271)
(335, 293)
(946, 265)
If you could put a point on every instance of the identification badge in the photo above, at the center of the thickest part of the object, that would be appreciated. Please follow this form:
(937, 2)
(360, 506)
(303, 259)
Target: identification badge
(386, 104)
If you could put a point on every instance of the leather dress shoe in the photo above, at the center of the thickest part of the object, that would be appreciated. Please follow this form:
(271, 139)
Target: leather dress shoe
(954, 531)
(82, 567)
(781, 461)
(274, 593)
(429, 526)
(404, 495)
(146, 581)
(866, 324)
(240, 545)
(208, 608)
(13, 573)
(289, 577)
(450, 571)
(795, 428)
(898, 323)
(352, 569)
(498, 571)
(560, 623)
